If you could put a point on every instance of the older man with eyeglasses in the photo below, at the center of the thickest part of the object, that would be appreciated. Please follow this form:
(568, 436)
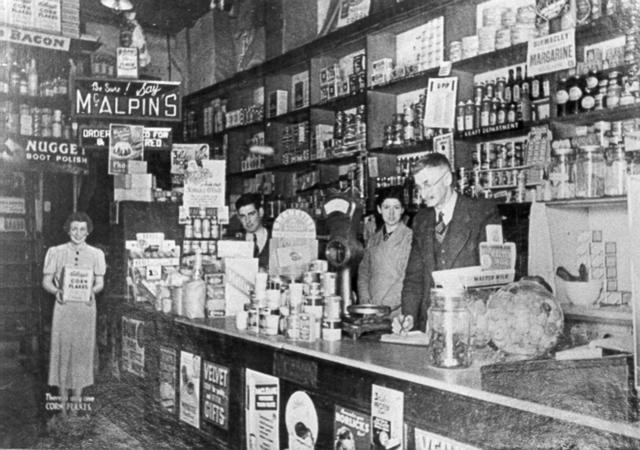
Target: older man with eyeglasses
(446, 235)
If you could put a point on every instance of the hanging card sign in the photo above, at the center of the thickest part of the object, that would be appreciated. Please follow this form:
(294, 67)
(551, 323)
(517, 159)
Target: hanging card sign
(167, 376)
(190, 366)
(262, 410)
(440, 110)
(19, 13)
(131, 100)
(97, 138)
(34, 38)
(552, 53)
(215, 394)
(43, 15)
(12, 205)
(125, 143)
(12, 225)
(205, 187)
(127, 62)
(133, 354)
(46, 154)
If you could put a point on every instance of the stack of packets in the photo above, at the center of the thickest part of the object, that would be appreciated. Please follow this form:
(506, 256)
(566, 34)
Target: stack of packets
(601, 257)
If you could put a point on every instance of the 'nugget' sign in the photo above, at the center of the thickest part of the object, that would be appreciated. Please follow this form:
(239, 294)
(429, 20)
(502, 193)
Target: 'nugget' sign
(131, 100)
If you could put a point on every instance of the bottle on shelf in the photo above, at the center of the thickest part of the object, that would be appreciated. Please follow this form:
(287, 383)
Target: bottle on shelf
(562, 97)
(4, 76)
(574, 89)
(517, 86)
(508, 87)
(14, 76)
(32, 78)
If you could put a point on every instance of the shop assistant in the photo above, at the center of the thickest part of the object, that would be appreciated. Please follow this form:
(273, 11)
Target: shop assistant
(446, 235)
(250, 212)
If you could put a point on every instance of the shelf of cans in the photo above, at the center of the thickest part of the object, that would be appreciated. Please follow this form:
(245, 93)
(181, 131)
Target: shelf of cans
(201, 231)
(302, 311)
(407, 127)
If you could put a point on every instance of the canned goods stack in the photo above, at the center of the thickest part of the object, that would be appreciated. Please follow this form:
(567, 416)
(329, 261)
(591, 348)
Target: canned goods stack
(349, 130)
(251, 161)
(201, 232)
(407, 127)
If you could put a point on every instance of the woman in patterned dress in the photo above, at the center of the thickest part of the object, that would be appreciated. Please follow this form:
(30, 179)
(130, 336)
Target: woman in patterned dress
(73, 331)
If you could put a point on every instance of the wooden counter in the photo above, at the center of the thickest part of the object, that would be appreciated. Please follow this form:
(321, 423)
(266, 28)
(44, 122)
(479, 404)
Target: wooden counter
(449, 403)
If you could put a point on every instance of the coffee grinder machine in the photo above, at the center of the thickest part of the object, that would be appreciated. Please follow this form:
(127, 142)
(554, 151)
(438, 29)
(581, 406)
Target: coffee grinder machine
(344, 251)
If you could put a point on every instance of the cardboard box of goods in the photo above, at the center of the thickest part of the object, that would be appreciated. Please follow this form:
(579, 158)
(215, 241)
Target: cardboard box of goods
(136, 166)
(142, 180)
(132, 195)
(235, 249)
(240, 278)
(77, 284)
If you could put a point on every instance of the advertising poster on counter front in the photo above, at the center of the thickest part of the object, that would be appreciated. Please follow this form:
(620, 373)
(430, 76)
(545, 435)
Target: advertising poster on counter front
(387, 418)
(167, 388)
(262, 410)
(425, 440)
(352, 429)
(215, 394)
(301, 420)
(126, 142)
(190, 366)
(133, 346)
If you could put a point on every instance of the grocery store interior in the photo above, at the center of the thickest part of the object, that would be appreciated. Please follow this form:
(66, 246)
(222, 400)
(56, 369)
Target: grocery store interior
(331, 224)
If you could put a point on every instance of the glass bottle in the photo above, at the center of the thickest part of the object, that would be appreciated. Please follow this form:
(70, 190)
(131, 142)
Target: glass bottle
(516, 90)
(205, 224)
(32, 78)
(500, 86)
(408, 129)
(469, 119)
(508, 88)
(14, 77)
(575, 94)
(26, 122)
(560, 173)
(536, 88)
(613, 90)
(525, 86)
(485, 112)
(590, 172)
(449, 329)
(502, 113)
(562, 97)
(460, 116)
(4, 77)
(511, 113)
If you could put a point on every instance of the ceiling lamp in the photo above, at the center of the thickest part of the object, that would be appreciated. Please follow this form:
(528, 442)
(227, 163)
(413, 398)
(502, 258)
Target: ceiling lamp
(118, 5)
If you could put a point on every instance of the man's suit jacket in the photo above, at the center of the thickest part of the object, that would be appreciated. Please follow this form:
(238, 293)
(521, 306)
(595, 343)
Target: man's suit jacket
(458, 249)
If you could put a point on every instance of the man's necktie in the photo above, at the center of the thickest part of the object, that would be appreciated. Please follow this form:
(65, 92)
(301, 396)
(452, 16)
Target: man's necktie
(256, 249)
(441, 228)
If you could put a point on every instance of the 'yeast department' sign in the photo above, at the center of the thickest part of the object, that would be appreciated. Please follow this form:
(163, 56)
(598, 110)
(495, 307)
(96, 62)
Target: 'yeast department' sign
(131, 100)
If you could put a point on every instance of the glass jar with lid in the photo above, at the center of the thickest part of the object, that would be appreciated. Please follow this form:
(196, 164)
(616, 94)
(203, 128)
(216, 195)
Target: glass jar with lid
(449, 329)
(590, 172)
(561, 171)
(614, 90)
(615, 181)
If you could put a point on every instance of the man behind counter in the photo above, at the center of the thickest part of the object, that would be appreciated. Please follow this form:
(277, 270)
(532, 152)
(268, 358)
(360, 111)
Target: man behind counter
(250, 213)
(446, 235)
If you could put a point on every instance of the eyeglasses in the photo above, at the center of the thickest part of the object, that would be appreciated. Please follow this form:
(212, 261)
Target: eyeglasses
(427, 186)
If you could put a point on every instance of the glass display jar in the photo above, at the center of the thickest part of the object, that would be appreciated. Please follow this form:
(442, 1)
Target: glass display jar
(590, 172)
(449, 329)
(560, 173)
(615, 181)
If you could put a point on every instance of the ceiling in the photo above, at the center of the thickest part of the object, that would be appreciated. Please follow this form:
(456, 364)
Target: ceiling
(165, 16)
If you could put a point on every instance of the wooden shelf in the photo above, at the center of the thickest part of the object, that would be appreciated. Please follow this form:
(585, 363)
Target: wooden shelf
(410, 83)
(341, 159)
(424, 146)
(619, 113)
(244, 126)
(515, 54)
(61, 102)
(613, 315)
(343, 102)
(588, 202)
(295, 116)
(494, 131)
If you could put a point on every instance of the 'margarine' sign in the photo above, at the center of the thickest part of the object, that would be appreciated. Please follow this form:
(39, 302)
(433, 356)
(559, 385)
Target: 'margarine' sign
(131, 100)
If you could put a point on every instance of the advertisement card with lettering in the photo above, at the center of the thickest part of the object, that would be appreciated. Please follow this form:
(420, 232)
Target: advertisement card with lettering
(47, 15)
(126, 142)
(215, 394)
(262, 410)
(184, 156)
(77, 284)
(301, 420)
(19, 35)
(130, 100)
(127, 62)
(205, 187)
(156, 138)
(426, 440)
(352, 429)
(190, 366)
(167, 388)
(440, 109)
(387, 418)
(552, 53)
(133, 346)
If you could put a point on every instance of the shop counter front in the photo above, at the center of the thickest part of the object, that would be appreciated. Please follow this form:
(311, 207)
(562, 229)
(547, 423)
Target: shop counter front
(453, 406)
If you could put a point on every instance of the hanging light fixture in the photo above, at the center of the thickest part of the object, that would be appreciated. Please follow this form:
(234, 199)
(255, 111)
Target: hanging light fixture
(118, 5)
